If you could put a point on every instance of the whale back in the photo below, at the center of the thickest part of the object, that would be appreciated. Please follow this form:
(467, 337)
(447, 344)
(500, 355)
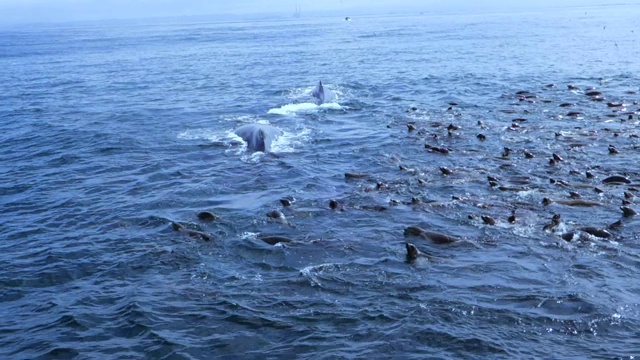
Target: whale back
(258, 137)
(318, 92)
(322, 94)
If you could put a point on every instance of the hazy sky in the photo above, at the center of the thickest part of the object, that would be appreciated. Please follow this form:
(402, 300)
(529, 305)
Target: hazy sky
(27, 11)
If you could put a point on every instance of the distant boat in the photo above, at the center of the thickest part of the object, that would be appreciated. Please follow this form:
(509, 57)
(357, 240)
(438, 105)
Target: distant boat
(297, 13)
(347, 19)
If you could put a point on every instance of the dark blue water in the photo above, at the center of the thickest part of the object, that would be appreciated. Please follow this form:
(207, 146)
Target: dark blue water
(110, 133)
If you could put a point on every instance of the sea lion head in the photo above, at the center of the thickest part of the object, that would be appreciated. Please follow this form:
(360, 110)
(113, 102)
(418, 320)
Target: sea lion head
(413, 231)
(412, 252)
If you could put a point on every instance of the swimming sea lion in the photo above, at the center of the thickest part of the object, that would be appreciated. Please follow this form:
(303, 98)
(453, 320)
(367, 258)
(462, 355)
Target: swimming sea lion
(446, 171)
(600, 233)
(616, 179)
(273, 240)
(615, 226)
(285, 202)
(555, 221)
(576, 202)
(488, 220)
(350, 175)
(413, 253)
(627, 211)
(335, 205)
(278, 216)
(440, 150)
(192, 233)
(433, 236)
(207, 216)
(513, 188)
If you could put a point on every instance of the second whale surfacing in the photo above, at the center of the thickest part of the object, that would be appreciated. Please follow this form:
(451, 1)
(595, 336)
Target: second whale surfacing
(258, 136)
(322, 94)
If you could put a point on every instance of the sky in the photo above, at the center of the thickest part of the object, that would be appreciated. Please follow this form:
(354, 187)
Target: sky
(38, 11)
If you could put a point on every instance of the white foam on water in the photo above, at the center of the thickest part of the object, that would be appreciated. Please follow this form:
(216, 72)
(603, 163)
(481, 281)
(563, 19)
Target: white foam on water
(306, 107)
(200, 134)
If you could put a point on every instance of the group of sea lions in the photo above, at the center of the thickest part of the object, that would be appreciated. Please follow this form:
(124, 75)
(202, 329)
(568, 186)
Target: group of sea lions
(612, 182)
(558, 177)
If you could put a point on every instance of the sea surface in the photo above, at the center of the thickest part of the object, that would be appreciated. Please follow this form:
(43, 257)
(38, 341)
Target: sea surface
(111, 133)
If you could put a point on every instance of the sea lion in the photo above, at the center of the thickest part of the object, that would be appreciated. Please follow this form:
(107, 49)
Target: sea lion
(273, 240)
(615, 225)
(351, 175)
(335, 205)
(193, 233)
(278, 216)
(627, 211)
(574, 195)
(570, 236)
(373, 207)
(413, 253)
(513, 188)
(488, 220)
(446, 171)
(286, 202)
(433, 236)
(555, 221)
(616, 179)
(207, 216)
(600, 233)
(576, 202)
(440, 150)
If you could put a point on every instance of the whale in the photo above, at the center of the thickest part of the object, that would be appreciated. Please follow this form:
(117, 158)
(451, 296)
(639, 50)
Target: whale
(258, 136)
(322, 94)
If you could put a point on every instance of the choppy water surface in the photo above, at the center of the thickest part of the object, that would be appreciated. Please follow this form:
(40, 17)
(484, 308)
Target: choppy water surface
(110, 133)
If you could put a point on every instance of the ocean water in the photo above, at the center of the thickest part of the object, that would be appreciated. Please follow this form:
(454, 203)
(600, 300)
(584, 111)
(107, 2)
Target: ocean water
(109, 133)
